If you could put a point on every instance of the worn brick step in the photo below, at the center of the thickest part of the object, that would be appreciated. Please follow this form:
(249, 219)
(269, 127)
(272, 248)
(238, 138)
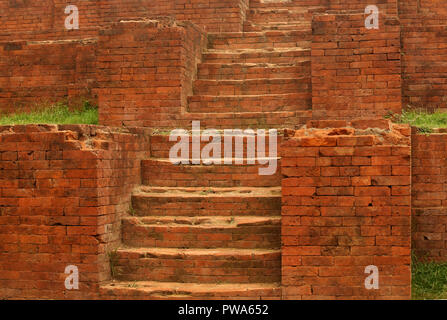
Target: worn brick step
(196, 202)
(252, 86)
(253, 120)
(244, 71)
(161, 146)
(279, 26)
(202, 232)
(198, 265)
(162, 173)
(281, 15)
(303, 41)
(260, 39)
(146, 290)
(254, 103)
(278, 55)
(283, 4)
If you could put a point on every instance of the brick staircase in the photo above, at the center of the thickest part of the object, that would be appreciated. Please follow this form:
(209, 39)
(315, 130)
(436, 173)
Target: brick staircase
(259, 77)
(213, 232)
(199, 232)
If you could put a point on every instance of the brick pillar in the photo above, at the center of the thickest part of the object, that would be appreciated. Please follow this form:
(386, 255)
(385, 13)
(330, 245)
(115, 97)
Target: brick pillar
(346, 206)
(145, 71)
(356, 72)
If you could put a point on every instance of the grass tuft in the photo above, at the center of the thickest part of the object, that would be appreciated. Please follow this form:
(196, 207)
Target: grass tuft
(113, 260)
(132, 211)
(429, 280)
(58, 113)
(422, 119)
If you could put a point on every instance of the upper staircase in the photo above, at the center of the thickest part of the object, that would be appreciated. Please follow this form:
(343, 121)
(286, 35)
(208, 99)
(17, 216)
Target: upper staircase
(258, 78)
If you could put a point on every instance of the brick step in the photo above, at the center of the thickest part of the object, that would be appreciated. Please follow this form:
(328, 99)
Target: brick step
(162, 173)
(252, 86)
(294, 55)
(284, 4)
(253, 120)
(198, 265)
(303, 41)
(254, 103)
(279, 26)
(196, 202)
(161, 146)
(279, 15)
(146, 290)
(259, 39)
(202, 232)
(246, 71)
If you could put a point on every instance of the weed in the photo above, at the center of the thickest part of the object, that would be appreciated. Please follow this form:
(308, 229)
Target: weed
(58, 113)
(429, 280)
(132, 211)
(424, 120)
(113, 260)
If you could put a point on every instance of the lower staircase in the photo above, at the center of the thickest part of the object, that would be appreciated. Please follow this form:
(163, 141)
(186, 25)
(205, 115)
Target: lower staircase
(199, 232)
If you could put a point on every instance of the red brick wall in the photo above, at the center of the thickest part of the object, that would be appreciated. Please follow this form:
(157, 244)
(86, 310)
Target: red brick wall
(346, 205)
(40, 20)
(424, 43)
(144, 87)
(35, 72)
(356, 72)
(385, 6)
(424, 68)
(421, 12)
(44, 19)
(145, 71)
(63, 190)
(429, 195)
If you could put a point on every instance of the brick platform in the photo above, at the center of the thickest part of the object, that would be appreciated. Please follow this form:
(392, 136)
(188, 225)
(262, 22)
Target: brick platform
(64, 190)
(254, 71)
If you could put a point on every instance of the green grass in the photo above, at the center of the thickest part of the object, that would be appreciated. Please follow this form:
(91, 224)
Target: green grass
(58, 113)
(425, 121)
(429, 280)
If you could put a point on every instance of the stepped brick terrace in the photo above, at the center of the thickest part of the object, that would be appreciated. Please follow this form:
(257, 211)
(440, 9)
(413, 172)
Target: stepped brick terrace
(351, 189)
